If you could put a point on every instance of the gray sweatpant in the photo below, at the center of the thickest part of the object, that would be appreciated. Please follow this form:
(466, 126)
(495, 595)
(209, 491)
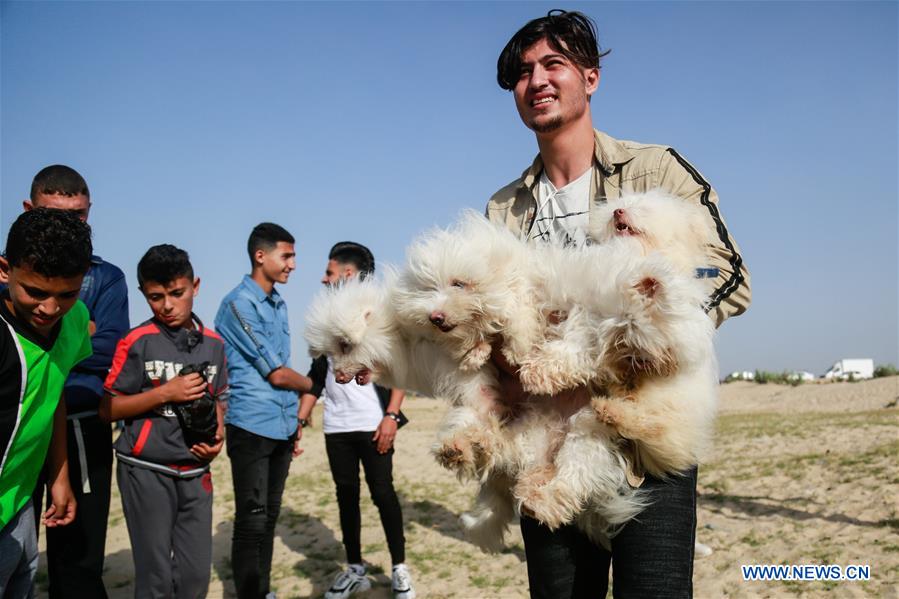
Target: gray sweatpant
(18, 555)
(170, 526)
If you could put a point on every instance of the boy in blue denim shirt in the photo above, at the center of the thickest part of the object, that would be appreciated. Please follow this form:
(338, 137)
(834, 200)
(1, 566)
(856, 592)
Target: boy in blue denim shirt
(261, 423)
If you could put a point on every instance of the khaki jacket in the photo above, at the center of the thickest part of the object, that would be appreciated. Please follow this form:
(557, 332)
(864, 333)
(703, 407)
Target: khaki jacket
(626, 166)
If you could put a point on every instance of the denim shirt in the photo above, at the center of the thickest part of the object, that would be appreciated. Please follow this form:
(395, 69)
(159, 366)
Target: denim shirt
(257, 341)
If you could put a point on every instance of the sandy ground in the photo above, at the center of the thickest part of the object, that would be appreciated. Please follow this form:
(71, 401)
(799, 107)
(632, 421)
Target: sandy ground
(804, 475)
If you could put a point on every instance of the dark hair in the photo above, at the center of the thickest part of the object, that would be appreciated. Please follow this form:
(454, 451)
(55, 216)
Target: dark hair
(350, 252)
(59, 179)
(573, 34)
(163, 264)
(53, 243)
(265, 236)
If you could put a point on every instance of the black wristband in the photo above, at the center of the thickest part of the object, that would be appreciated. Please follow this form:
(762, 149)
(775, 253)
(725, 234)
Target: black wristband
(392, 415)
(303, 422)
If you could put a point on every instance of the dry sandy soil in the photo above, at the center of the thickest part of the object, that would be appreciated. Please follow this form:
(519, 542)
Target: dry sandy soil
(804, 475)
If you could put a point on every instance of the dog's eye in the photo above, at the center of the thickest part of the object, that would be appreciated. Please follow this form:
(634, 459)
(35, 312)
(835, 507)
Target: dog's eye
(459, 284)
(344, 346)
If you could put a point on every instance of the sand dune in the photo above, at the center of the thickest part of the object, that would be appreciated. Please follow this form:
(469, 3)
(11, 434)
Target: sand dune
(800, 475)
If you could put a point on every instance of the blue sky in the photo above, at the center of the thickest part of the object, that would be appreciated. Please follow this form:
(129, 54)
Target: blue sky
(192, 122)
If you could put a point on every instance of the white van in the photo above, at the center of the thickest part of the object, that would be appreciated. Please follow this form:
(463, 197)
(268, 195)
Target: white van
(857, 368)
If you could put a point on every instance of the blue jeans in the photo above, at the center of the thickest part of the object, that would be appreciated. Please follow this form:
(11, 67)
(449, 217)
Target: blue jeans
(651, 557)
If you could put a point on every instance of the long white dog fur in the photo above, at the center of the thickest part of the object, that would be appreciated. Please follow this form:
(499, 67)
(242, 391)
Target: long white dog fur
(622, 319)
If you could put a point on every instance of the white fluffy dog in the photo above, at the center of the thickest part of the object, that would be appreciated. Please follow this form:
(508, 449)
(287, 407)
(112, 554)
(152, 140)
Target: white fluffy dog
(558, 464)
(470, 288)
(621, 320)
(671, 417)
(559, 445)
(656, 222)
(467, 287)
(356, 326)
(386, 331)
(635, 329)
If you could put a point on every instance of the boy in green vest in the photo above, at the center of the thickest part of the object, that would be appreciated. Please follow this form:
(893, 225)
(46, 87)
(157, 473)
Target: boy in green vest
(43, 334)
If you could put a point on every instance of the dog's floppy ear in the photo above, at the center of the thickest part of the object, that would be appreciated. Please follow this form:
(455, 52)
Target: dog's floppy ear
(648, 287)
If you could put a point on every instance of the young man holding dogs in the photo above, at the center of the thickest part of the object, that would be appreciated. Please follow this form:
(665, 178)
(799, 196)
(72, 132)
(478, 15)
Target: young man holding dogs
(552, 68)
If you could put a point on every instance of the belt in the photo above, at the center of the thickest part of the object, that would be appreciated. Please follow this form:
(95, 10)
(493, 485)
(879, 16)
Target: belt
(177, 473)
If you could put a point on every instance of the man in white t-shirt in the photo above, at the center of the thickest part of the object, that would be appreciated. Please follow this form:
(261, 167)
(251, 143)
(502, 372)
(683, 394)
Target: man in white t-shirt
(360, 424)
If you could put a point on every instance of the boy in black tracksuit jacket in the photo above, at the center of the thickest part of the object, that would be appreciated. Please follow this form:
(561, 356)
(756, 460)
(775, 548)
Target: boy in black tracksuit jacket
(165, 483)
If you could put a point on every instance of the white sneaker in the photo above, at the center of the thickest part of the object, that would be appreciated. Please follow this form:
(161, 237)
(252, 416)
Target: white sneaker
(348, 582)
(402, 583)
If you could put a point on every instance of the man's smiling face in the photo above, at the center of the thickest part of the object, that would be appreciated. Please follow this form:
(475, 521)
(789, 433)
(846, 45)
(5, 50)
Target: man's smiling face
(278, 262)
(552, 91)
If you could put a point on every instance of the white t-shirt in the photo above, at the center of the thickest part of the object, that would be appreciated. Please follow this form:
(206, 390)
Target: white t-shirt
(563, 214)
(351, 407)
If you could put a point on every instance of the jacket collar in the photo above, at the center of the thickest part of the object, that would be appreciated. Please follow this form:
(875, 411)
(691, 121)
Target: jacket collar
(184, 339)
(258, 294)
(608, 153)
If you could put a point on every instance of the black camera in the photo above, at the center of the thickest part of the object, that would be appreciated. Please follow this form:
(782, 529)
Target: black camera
(198, 419)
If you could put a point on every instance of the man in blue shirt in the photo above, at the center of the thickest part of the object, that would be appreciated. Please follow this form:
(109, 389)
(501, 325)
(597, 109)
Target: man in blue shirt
(75, 552)
(261, 421)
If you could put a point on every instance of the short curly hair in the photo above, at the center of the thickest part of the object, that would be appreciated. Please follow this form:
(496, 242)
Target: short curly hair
(163, 264)
(53, 243)
(573, 34)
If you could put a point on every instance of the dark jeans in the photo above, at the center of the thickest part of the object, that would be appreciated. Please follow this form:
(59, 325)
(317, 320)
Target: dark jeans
(345, 451)
(259, 467)
(75, 552)
(651, 557)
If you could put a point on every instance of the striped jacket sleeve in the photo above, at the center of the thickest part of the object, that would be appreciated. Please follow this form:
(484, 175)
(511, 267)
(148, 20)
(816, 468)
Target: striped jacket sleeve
(126, 375)
(731, 295)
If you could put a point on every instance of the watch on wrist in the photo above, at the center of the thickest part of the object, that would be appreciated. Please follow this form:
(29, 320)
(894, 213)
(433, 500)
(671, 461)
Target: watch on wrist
(303, 422)
(393, 416)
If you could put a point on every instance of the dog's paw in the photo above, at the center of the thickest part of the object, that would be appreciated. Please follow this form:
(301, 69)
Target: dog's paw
(453, 453)
(461, 456)
(516, 351)
(545, 503)
(476, 357)
(536, 379)
(607, 412)
(628, 418)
